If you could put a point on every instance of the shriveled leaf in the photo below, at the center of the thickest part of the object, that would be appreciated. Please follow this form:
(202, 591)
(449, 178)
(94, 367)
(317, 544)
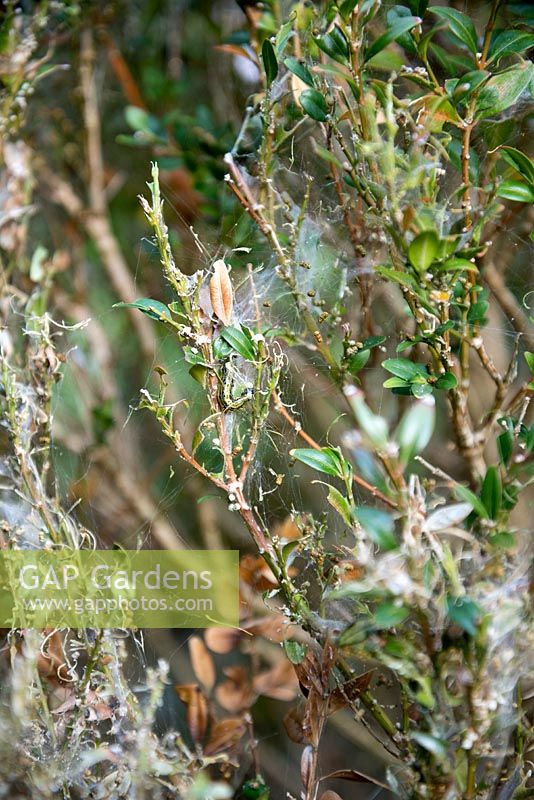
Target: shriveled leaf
(222, 640)
(221, 292)
(447, 516)
(225, 736)
(308, 761)
(197, 715)
(459, 24)
(355, 776)
(293, 724)
(278, 683)
(202, 663)
(342, 695)
(152, 308)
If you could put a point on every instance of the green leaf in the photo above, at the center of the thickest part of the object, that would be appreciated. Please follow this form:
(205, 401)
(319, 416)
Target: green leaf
(463, 493)
(520, 162)
(516, 190)
(152, 308)
(295, 651)
(446, 381)
(505, 445)
(457, 265)
(334, 44)
(388, 615)
(379, 526)
(459, 24)
(416, 428)
(491, 492)
(358, 361)
(529, 358)
(325, 460)
(464, 612)
(432, 744)
(314, 104)
(423, 250)
(270, 62)
(405, 369)
(503, 90)
(374, 427)
(240, 342)
(300, 70)
(508, 42)
(503, 539)
(340, 503)
(140, 120)
(400, 26)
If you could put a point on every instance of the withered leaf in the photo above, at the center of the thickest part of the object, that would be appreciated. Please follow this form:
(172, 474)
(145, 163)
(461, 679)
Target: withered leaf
(293, 723)
(341, 696)
(197, 713)
(221, 292)
(330, 795)
(202, 663)
(308, 762)
(354, 775)
(235, 694)
(222, 640)
(279, 683)
(225, 736)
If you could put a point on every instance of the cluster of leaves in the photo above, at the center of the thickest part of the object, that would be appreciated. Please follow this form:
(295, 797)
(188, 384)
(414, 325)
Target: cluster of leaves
(418, 155)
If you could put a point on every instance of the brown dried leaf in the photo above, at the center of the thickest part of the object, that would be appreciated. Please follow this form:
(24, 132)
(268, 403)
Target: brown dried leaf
(272, 627)
(330, 795)
(341, 696)
(308, 762)
(253, 570)
(202, 663)
(197, 713)
(221, 292)
(235, 694)
(279, 682)
(354, 775)
(293, 723)
(225, 736)
(222, 640)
